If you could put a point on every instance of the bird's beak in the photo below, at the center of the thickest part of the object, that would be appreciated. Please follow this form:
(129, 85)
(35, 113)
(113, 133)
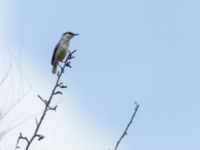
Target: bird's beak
(76, 34)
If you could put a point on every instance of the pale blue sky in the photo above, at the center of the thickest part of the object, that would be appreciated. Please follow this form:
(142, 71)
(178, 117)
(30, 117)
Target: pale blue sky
(144, 51)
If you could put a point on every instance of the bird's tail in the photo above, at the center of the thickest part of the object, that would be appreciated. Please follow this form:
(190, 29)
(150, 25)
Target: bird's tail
(54, 69)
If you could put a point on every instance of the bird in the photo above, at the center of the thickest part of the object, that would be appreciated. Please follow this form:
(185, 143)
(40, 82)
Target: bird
(61, 49)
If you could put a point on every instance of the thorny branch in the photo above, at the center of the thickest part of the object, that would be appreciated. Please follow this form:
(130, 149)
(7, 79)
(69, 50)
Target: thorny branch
(47, 103)
(128, 125)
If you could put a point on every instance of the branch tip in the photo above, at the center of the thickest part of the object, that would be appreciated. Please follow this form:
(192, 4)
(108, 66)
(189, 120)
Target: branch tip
(53, 108)
(40, 137)
(58, 92)
(36, 121)
(127, 127)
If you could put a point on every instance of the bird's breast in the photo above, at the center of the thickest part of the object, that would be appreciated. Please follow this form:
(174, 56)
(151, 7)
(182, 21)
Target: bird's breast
(61, 53)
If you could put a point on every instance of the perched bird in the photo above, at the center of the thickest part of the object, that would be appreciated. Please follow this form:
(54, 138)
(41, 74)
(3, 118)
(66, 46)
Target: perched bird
(61, 49)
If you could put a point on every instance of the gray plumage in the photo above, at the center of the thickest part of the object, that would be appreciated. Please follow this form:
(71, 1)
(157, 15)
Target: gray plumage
(61, 50)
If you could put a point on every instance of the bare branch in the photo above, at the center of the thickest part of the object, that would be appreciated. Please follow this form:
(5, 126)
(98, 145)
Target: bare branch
(21, 138)
(52, 108)
(58, 92)
(47, 103)
(128, 125)
(40, 137)
(62, 86)
(36, 121)
(43, 100)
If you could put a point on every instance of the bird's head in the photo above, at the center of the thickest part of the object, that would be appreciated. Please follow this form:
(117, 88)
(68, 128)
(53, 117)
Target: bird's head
(69, 35)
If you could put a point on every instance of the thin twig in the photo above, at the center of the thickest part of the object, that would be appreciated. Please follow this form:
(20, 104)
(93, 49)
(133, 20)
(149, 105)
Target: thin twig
(5, 76)
(127, 127)
(20, 138)
(47, 105)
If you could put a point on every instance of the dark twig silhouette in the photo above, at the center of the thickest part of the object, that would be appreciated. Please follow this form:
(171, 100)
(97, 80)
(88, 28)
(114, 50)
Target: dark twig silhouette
(127, 127)
(55, 91)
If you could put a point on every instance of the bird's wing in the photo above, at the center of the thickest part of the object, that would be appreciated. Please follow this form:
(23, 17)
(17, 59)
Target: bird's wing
(54, 53)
